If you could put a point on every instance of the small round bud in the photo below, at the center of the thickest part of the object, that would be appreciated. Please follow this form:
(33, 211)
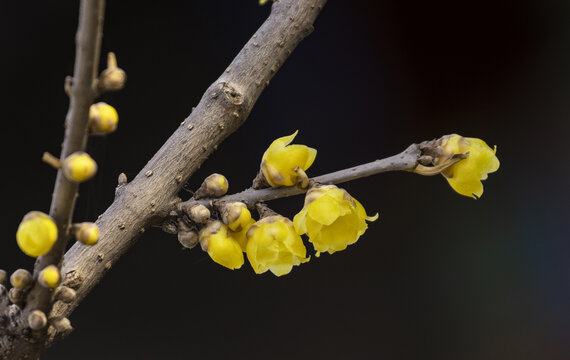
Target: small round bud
(188, 239)
(103, 119)
(79, 167)
(199, 214)
(214, 185)
(112, 78)
(37, 320)
(36, 234)
(61, 325)
(3, 276)
(65, 294)
(21, 279)
(16, 295)
(87, 233)
(49, 277)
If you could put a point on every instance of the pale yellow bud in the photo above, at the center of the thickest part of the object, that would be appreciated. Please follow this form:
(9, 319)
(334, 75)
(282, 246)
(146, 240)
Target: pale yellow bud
(214, 185)
(103, 119)
(37, 320)
(49, 277)
(87, 233)
(21, 279)
(79, 167)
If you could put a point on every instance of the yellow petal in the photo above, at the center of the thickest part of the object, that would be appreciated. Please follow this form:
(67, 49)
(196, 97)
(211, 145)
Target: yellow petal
(325, 210)
(225, 251)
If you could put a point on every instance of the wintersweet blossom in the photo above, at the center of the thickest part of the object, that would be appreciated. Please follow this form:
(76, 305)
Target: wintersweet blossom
(331, 218)
(282, 163)
(465, 176)
(216, 239)
(273, 244)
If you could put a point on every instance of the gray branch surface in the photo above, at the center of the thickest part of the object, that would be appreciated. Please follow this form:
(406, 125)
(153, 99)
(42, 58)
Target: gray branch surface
(405, 161)
(152, 194)
(18, 341)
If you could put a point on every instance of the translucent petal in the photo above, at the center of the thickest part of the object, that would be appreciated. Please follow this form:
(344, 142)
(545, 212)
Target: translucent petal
(325, 210)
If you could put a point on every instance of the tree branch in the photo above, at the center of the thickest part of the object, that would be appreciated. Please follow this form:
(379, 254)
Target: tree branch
(81, 95)
(405, 161)
(223, 108)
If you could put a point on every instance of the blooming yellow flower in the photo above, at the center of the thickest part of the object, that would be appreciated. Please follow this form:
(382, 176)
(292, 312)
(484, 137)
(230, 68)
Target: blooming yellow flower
(216, 239)
(465, 176)
(280, 161)
(36, 234)
(331, 218)
(273, 244)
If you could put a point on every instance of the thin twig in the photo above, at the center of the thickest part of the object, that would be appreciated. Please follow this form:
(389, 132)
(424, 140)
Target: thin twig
(405, 161)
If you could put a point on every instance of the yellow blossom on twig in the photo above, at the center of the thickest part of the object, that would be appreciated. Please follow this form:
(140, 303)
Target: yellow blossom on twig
(283, 164)
(273, 244)
(331, 218)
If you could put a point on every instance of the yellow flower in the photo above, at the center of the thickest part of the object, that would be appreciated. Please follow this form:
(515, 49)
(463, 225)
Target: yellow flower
(280, 161)
(216, 239)
(103, 118)
(79, 167)
(273, 244)
(466, 175)
(331, 218)
(49, 277)
(36, 234)
(241, 235)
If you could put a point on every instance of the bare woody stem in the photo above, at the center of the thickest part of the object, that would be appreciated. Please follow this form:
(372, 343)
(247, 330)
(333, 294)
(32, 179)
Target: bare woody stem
(225, 105)
(81, 95)
(405, 161)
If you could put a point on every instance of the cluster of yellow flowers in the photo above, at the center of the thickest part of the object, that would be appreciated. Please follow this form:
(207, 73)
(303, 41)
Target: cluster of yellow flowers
(331, 218)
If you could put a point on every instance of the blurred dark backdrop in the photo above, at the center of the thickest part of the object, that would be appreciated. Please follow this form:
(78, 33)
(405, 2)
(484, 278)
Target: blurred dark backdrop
(438, 276)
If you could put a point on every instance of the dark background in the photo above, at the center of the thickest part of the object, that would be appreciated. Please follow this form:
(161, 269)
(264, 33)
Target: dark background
(438, 276)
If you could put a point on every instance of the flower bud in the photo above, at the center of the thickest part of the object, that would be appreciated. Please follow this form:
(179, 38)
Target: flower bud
(65, 294)
(16, 295)
(214, 185)
(79, 167)
(62, 325)
(216, 239)
(199, 214)
(49, 277)
(3, 276)
(21, 279)
(236, 215)
(188, 239)
(37, 320)
(87, 233)
(103, 119)
(36, 234)
(112, 78)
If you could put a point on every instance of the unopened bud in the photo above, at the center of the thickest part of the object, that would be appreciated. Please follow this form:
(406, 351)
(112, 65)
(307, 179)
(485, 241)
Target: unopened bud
(36, 234)
(188, 239)
(199, 214)
(87, 233)
(103, 119)
(21, 279)
(37, 320)
(49, 277)
(210, 229)
(235, 215)
(61, 325)
(214, 185)
(3, 276)
(65, 294)
(112, 78)
(79, 167)
(16, 295)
